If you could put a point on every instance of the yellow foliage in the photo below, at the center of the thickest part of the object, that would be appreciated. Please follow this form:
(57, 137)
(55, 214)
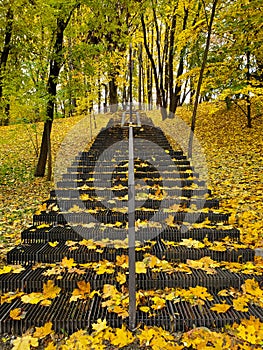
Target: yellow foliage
(15, 314)
(42, 332)
(122, 337)
(220, 308)
(50, 291)
(121, 278)
(24, 342)
(68, 263)
(82, 292)
(100, 325)
(250, 330)
(140, 267)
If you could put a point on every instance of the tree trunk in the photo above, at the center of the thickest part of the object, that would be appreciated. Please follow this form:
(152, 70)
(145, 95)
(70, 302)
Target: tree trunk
(159, 99)
(54, 70)
(200, 79)
(7, 114)
(3, 62)
(149, 86)
(113, 95)
(140, 77)
(249, 121)
(41, 165)
(176, 92)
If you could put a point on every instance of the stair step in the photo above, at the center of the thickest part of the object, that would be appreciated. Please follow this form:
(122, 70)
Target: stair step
(81, 314)
(66, 204)
(78, 233)
(32, 280)
(43, 252)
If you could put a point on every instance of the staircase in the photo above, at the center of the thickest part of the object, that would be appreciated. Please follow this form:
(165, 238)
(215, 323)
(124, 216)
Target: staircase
(86, 219)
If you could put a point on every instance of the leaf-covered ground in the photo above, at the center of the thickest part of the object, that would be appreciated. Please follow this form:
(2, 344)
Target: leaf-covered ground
(234, 157)
(20, 192)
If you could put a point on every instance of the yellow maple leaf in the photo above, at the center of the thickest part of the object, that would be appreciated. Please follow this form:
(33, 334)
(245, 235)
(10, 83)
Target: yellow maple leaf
(5, 269)
(192, 243)
(220, 308)
(121, 278)
(90, 244)
(223, 293)
(151, 260)
(51, 346)
(109, 290)
(53, 244)
(24, 342)
(201, 292)
(75, 209)
(194, 264)
(43, 226)
(140, 267)
(46, 302)
(118, 223)
(119, 310)
(84, 287)
(218, 246)
(240, 304)
(17, 268)
(122, 261)
(144, 308)
(32, 298)
(104, 267)
(159, 303)
(251, 286)
(170, 220)
(50, 290)
(69, 263)
(146, 335)
(15, 314)
(100, 325)
(82, 292)
(42, 332)
(251, 330)
(123, 337)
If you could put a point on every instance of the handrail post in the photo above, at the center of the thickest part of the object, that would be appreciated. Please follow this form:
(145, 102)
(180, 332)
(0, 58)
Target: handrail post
(131, 234)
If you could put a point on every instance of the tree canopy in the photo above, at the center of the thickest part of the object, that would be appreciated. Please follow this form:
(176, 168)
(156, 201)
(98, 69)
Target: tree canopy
(168, 39)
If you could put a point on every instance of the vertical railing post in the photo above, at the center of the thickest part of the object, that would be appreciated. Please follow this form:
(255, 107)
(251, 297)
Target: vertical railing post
(131, 234)
(131, 69)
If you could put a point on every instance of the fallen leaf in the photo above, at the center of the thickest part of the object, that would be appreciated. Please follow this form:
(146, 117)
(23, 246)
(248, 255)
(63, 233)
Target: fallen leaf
(220, 308)
(42, 332)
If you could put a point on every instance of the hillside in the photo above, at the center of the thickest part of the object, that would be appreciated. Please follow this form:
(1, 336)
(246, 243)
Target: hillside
(233, 155)
(234, 162)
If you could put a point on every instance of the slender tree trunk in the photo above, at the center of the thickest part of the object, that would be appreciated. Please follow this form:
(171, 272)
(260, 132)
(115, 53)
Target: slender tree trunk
(200, 79)
(113, 94)
(105, 103)
(249, 121)
(155, 73)
(54, 70)
(176, 92)
(162, 95)
(171, 59)
(41, 165)
(149, 85)
(99, 94)
(3, 62)
(140, 77)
